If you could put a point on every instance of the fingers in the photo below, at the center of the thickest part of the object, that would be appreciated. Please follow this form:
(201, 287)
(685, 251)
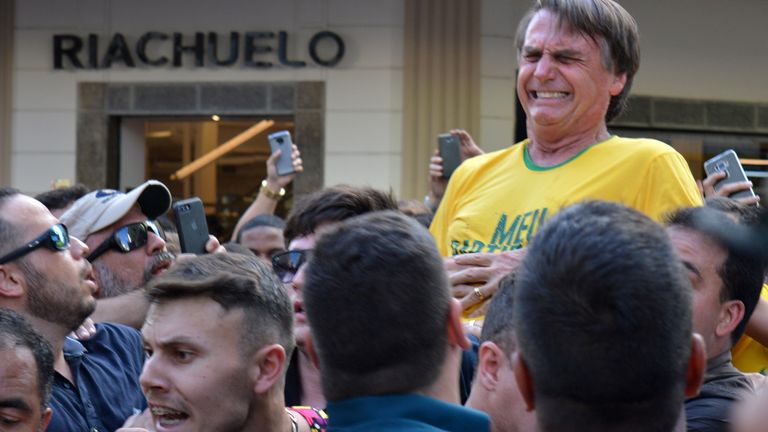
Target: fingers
(478, 295)
(475, 259)
(708, 184)
(472, 276)
(753, 200)
(732, 188)
(213, 245)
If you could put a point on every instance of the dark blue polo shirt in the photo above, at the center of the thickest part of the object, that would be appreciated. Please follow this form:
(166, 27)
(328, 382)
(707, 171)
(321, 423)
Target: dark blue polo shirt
(106, 371)
(408, 412)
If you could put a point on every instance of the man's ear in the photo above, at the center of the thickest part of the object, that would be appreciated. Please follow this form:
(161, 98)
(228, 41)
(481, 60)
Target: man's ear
(47, 414)
(697, 366)
(456, 335)
(267, 368)
(490, 361)
(12, 281)
(524, 380)
(731, 314)
(619, 81)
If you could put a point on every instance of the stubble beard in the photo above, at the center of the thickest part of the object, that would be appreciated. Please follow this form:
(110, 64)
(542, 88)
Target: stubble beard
(54, 303)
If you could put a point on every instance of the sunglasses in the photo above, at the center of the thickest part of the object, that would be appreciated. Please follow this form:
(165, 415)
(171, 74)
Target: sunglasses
(55, 239)
(287, 264)
(126, 238)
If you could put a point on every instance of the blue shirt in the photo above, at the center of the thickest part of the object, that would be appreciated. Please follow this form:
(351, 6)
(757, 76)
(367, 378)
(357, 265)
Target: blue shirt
(106, 371)
(408, 412)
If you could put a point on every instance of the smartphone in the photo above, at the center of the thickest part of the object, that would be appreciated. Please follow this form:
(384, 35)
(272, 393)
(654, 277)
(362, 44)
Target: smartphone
(282, 141)
(728, 162)
(448, 147)
(191, 224)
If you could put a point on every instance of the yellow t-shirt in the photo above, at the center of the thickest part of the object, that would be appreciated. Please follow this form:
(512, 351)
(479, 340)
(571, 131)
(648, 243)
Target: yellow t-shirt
(748, 354)
(497, 201)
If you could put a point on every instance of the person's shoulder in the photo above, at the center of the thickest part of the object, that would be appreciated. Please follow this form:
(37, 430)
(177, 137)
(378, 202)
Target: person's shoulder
(114, 335)
(649, 145)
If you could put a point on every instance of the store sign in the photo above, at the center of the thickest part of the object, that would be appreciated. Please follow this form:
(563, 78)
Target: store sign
(155, 49)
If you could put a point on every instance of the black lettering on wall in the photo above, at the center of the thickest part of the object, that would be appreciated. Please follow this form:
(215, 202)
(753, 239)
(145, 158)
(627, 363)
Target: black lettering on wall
(141, 48)
(333, 37)
(250, 48)
(197, 48)
(213, 47)
(67, 45)
(282, 51)
(118, 51)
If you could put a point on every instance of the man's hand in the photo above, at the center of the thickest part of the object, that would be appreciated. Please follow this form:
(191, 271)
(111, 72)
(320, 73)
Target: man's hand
(481, 271)
(141, 422)
(86, 330)
(437, 183)
(707, 188)
(276, 182)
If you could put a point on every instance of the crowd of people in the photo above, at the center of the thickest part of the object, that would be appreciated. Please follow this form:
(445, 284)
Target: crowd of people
(574, 281)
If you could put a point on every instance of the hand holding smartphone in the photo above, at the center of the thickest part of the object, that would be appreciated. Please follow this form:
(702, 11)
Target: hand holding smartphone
(191, 225)
(448, 148)
(728, 162)
(282, 141)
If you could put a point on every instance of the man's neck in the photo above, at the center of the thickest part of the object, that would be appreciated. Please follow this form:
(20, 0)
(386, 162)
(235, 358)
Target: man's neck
(549, 147)
(55, 335)
(269, 415)
(446, 386)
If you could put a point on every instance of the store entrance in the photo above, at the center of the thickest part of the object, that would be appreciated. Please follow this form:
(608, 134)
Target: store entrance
(158, 147)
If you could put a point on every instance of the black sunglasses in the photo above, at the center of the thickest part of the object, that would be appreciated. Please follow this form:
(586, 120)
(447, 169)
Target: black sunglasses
(126, 238)
(55, 239)
(287, 264)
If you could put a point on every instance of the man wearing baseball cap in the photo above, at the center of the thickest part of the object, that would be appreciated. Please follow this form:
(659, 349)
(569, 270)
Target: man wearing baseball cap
(119, 229)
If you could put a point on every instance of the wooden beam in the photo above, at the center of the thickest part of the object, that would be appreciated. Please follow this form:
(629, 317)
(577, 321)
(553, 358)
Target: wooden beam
(221, 150)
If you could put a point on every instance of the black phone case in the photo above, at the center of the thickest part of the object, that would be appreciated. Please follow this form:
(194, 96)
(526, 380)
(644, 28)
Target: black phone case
(191, 225)
(448, 147)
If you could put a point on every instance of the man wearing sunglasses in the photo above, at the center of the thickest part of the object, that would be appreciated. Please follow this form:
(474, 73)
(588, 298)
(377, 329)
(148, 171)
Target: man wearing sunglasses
(312, 213)
(126, 246)
(45, 276)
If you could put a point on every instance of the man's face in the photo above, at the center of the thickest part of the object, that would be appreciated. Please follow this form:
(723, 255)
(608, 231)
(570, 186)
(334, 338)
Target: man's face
(20, 404)
(295, 289)
(119, 273)
(59, 284)
(563, 84)
(702, 258)
(196, 378)
(264, 241)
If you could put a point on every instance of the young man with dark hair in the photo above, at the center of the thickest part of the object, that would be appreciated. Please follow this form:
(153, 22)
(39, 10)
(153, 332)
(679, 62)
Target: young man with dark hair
(494, 389)
(218, 335)
(385, 328)
(263, 235)
(45, 276)
(26, 374)
(602, 316)
(312, 213)
(727, 277)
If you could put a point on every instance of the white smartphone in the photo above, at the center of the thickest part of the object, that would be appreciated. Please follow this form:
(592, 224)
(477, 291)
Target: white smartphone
(282, 141)
(728, 162)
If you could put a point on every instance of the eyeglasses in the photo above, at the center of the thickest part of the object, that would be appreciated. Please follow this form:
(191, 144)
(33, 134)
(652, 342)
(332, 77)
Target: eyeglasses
(126, 238)
(56, 239)
(287, 264)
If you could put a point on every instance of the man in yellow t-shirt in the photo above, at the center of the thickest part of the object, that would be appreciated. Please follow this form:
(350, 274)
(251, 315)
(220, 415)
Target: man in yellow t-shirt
(577, 60)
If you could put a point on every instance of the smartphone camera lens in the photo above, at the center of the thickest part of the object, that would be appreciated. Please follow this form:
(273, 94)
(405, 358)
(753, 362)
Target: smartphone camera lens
(279, 140)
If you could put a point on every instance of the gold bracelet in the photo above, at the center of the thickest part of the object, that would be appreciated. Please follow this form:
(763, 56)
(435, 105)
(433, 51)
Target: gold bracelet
(270, 193)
